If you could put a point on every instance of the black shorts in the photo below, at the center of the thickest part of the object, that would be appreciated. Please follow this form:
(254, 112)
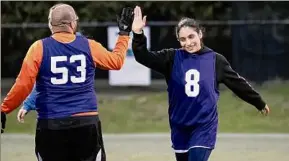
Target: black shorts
(83, 143)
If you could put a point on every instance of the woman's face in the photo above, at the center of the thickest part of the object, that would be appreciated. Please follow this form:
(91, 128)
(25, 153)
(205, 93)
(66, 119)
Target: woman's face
(189, 39)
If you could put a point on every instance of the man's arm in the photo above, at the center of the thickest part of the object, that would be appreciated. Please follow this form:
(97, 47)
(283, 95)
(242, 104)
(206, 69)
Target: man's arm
(238, 84)
(107, 60)
(25, 80)
(160, 61)
(114, 60)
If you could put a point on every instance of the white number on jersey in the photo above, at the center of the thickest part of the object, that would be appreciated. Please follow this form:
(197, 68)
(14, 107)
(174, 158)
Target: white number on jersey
(64, 70)
(192, 79)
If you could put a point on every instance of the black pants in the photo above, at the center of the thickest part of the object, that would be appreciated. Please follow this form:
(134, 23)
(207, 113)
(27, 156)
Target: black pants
(76, 144)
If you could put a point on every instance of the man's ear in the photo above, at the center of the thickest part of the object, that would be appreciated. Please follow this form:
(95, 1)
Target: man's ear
(50, 26)
(73, 25)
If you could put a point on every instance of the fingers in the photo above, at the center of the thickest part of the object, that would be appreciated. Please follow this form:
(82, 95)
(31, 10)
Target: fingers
(137, 12)
(128, 11)
(144, 19)
(131, 11)
(265, 111)
(130, 14)
(21, 114)
(138, 21)
(267, 108)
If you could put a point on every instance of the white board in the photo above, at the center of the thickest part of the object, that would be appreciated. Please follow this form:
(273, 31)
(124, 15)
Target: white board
(132, 73)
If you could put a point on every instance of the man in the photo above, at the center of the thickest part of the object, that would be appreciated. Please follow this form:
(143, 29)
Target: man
(63, 68)
(29, 102)
(193, 74)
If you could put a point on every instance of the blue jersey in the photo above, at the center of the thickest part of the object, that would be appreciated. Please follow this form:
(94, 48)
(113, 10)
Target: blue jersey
(65, 83)
(193, 97)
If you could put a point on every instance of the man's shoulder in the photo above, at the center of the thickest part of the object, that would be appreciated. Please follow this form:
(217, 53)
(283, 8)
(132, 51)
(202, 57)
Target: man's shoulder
(37, 44)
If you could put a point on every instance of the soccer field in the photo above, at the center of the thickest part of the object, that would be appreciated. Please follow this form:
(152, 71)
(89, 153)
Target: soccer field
(156, 147)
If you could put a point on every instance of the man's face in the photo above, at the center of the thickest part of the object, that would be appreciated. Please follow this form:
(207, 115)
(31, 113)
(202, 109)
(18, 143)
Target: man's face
(189, 39)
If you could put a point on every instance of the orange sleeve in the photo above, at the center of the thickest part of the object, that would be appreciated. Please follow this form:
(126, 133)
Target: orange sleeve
(25, 79)
(107, 60)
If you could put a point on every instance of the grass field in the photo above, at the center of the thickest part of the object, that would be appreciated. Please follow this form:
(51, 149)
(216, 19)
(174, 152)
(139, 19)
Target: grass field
(154, 147)
(147, 112)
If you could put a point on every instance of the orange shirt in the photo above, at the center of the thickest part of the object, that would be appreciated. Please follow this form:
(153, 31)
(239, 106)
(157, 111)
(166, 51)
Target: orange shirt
(102, 58)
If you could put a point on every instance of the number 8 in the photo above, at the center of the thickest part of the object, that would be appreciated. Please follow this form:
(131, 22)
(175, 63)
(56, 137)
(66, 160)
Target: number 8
(192, 82)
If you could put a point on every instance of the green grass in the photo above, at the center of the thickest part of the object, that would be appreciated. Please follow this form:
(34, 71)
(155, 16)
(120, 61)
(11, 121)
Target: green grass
(147, 112)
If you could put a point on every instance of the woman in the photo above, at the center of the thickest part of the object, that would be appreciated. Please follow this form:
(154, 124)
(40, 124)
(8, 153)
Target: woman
(193, 74)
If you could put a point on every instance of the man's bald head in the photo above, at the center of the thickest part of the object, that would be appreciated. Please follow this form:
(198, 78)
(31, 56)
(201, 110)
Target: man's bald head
(61, 16)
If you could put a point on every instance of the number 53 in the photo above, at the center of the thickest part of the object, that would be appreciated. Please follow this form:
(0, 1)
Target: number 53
(64, 70)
